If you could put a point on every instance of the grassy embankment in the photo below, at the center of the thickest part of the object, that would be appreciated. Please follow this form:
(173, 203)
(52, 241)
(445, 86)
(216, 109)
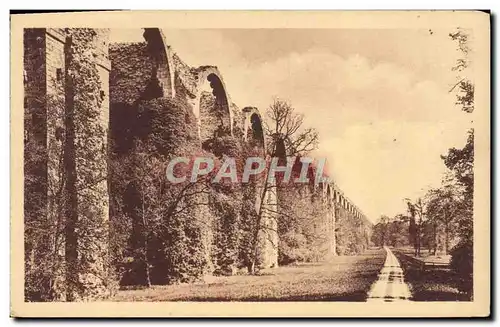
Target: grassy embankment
(434, 283)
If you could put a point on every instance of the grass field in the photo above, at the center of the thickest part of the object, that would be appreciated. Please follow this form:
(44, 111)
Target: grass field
(345, 278)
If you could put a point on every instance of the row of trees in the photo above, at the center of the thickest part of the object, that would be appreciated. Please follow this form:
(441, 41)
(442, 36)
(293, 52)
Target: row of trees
(434, 222)
(442, 220)
(391, 231)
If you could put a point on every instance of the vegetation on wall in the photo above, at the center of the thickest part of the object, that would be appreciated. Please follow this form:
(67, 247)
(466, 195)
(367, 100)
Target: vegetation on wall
(168, 239)
(67, 230)
(157, 232)
(351, 233)
(86, 170)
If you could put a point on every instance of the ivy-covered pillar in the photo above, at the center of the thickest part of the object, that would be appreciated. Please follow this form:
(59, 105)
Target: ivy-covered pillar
(86, 155)
(268, 237)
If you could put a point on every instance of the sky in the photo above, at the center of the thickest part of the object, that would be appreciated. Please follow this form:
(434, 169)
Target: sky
(379, 99)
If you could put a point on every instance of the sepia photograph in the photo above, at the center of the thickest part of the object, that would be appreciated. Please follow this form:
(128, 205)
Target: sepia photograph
(209, 163)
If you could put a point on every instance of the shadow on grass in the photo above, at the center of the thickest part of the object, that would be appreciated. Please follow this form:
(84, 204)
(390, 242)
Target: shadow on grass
(358, 296)
(431, 284)
(347, 279)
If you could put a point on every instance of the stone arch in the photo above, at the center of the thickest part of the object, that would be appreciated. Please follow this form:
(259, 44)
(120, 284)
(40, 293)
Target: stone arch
(331, 219)
(253, 129)
(327, 196)
(212, 110)
(323, 188)
(161, 53)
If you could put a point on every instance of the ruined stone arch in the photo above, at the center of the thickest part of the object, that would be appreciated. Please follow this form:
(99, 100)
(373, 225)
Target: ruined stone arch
(161, 54)
(212, 110)
(331, 219)
(329, 195)
(253, 129)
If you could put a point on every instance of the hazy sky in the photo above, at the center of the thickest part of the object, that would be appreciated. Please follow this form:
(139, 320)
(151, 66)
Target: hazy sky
(378, 98)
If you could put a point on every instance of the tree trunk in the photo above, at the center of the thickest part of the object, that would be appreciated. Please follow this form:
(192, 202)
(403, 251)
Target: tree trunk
(446, 238)
(71, 205)
(257, 228)
(146, 243)
(255, 244)
(435, 237)
(418, 241)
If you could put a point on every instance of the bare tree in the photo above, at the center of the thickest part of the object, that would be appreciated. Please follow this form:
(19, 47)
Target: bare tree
(287, 138)
(464, 85)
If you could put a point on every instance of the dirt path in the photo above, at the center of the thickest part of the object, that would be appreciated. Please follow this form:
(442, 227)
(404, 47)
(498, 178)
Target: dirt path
(390, 285)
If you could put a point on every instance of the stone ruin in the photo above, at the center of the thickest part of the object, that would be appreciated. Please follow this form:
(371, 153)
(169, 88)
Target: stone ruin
(125, 72)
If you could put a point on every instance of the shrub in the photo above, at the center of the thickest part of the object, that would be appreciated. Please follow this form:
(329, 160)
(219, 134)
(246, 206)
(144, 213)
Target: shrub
(462, 263)
(165, 243)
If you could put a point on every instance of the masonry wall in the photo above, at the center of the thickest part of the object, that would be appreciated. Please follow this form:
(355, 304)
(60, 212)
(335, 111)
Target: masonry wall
(57, 164)
(91, 157)
(131, 71)
(37, 283)
(209, 120)
(54, 116)
(103, 64)
(35, 109)
(269, 240)
(330, 225)
(351, 227)
(55, 79)
(185, 81)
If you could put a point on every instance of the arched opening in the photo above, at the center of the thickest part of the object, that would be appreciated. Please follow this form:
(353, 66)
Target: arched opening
(163, 72)
(253, 129)
(331, 220)
(328, 196)
(213, 108)
(257, 131)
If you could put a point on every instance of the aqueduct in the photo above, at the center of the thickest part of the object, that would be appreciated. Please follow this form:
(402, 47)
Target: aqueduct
(132, 71)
